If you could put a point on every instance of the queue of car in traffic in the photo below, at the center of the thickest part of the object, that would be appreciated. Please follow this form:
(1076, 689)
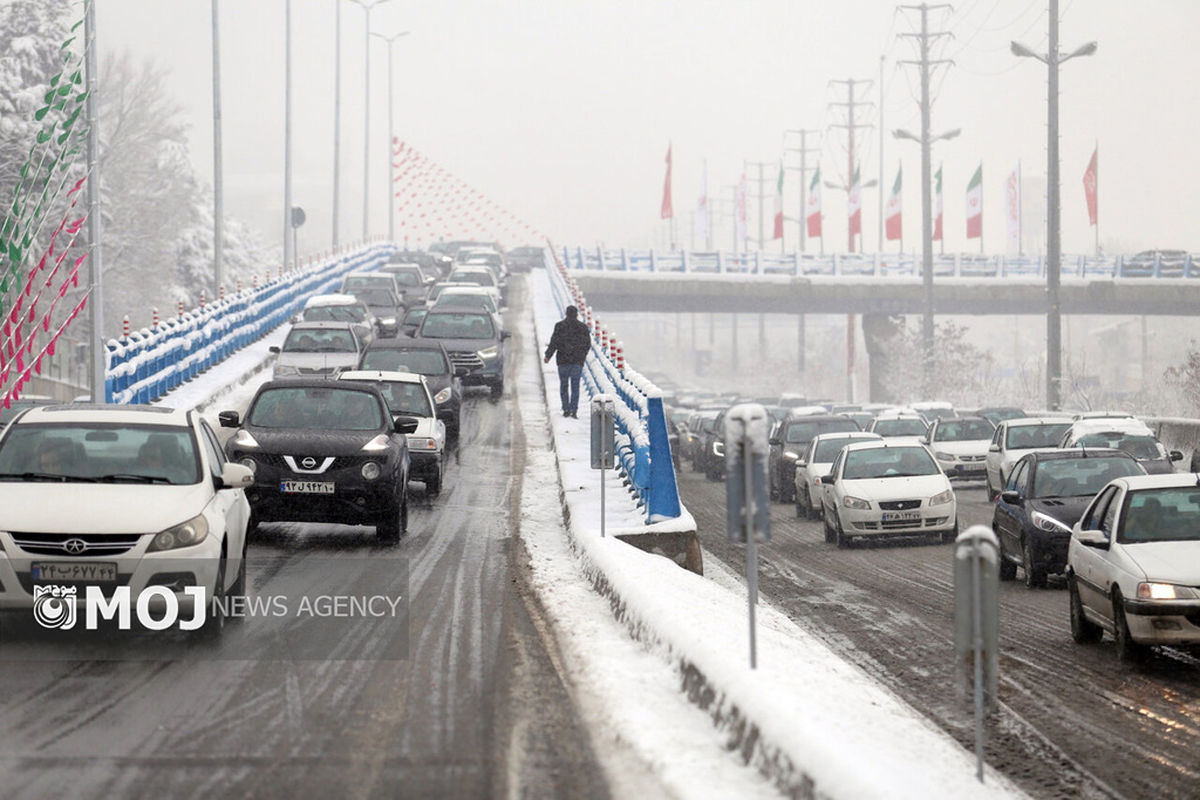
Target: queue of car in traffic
(359, 406)
(1092, 496)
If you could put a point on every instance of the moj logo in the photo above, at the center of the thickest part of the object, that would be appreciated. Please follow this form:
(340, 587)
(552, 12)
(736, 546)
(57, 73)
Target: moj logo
(156, 608)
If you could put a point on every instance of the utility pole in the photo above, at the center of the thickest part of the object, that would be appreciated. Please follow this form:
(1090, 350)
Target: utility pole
(761, 195)
(803, 169)
(882, 181)
(96, 293)
(391, 138)
(288, 228)
(850, 105)
(926, 64)
(337, 114)
(218, 183)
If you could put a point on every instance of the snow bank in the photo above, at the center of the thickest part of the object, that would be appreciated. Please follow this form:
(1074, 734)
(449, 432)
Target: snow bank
(815, 725)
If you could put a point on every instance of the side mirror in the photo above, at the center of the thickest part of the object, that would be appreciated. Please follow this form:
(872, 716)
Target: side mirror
(775, 440)
(1176, 455)
(800, 464)
(827, 480)
(994, 448)
(1010, 496)
(405, 424)
(507, 335)
(273, 349)
(229, 419)
(236, 476)
(1093, 538)
(461, 372)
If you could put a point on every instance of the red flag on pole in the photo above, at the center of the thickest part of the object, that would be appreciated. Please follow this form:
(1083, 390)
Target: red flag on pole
(667, 211)
(1089, 188)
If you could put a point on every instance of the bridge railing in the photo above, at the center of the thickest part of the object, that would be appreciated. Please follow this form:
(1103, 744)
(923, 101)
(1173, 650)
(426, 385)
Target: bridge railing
(148, 363)
(964, 265)
(643, 449)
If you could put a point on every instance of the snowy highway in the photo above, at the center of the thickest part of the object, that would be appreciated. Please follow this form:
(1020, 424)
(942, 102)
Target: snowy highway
(1073, 721)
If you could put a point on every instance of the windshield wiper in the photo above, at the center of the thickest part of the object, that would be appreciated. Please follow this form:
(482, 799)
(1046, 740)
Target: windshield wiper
(129, 477)
(46, 476)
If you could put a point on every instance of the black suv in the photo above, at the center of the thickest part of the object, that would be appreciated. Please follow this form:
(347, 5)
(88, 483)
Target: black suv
(474, 340)
(788, 441)
(424, 357)
(1045, 495)
(323, 451)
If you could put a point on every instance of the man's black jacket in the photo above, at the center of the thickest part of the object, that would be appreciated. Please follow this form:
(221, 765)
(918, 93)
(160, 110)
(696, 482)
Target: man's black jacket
(571, 340)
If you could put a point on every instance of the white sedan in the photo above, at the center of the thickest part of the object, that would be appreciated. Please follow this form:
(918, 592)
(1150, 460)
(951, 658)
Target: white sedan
(960, 445)
(1133, 564)
(815, 464)
(133, 499)
(882, 489)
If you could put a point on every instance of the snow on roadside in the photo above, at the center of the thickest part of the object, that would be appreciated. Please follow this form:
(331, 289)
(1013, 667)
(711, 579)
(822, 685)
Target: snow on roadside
(810, 707)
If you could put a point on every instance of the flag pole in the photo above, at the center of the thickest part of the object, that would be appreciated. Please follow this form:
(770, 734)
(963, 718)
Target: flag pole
(1097, 152)
(1020, 213)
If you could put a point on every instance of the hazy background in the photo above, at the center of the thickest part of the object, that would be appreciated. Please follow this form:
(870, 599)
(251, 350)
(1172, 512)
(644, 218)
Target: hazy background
(562, 111)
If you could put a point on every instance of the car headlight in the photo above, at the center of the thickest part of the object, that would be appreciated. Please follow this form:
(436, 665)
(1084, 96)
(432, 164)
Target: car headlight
(1048, 523)
(718, 448)
(388, 322)
(856, 503)
(249, 463)
(370, 470)
(284, 369)
(421, 443)
(185, 534)
(243, 439)
(490, 352)
(941, 498)
(442, 396)
(944, 456)
(1166, 591)
(377, 444)
(790, 456)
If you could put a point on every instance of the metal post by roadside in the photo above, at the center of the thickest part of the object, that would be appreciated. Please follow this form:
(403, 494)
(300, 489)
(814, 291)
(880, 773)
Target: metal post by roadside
(603, 440)
(747, 506)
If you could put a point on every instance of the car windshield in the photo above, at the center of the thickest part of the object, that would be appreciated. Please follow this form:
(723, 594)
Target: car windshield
(468, 300)
(899, 427)
(998, 415)
(1161, 515)
(888, 462)
(318, 340)
(376, 298)
(316, 408)
(1079, 477)
(963, 430)
(480, 278)
(457, 326)
(422, 362)
(801, 431)
(414, 315)
(408, 278)
(406, 398)
(1025, 437)
(334, 314)
(94, 452)
(355, 282)
(828, 449)
(1140, 447)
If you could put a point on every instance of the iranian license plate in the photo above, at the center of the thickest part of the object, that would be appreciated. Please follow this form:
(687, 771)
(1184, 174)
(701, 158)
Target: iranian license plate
(306, 487)
(901, 516)
(87, 572)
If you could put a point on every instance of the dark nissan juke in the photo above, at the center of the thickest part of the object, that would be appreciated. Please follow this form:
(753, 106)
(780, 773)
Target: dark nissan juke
(324, 452)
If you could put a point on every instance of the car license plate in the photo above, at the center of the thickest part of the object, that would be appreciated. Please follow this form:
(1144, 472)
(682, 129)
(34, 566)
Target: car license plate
(901, 516)
(88, 572)
(306, 487)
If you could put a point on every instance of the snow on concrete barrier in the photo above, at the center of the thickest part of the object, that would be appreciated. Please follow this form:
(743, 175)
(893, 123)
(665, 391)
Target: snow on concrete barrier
(815, 725)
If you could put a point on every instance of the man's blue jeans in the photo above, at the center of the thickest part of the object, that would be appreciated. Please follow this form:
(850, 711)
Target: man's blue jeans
(568, 386)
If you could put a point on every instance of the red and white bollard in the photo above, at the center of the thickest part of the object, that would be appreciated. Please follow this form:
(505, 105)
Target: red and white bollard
(254, 282)
(154, 318)
(179, 310)
(202, 299)
(125, 327)
(239, 285)
(620, 358)
(221, 292)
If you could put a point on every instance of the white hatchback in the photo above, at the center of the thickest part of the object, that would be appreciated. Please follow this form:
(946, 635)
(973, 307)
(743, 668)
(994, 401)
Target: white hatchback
(117, 497)
(882, 489)
(814, 464)
(1012, 440)
(1133, 564)
(960, 445)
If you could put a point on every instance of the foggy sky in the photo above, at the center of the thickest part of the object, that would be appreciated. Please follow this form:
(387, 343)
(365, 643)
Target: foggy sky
(562, 111)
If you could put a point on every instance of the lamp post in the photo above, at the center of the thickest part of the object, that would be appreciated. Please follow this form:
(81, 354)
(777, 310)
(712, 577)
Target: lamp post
(391, 201)
(367, 6)
(926, 142)
(1052, 58)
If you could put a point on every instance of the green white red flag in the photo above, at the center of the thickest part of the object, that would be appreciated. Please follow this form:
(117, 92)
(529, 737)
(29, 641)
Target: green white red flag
(937, 205)
(812, 213)
(779, 205)
(975, 204)
(892, 213)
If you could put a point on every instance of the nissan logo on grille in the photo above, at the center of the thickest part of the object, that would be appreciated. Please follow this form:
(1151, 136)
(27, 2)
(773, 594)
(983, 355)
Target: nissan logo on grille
(308, 462)
(74, 546)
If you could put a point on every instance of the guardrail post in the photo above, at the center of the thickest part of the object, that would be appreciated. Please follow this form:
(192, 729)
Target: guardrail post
(795, 262)
(624, 259)
(664, 494)
(837, 264)
(683, 265)
(653, 261)
(1158, 265)
(720, 262)
(600, 257)
(758, 262)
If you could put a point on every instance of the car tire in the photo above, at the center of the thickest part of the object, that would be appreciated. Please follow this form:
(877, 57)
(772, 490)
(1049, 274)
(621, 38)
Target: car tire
(787, 493)
(992, 494)
(1008, 570)
(802, 508)
(214, 617)
(394, 523)
(1035, 577)
(239, 586)
(433, 484)
(830, 534)
(497, 392)
(949, 536)
(1128, 651)
(251, 524)
(1083, 630)
(839, 535)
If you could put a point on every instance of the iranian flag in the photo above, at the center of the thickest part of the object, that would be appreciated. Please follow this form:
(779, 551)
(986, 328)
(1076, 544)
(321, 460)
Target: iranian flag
(975, 205)
(1089, 187)
(812, 214)
(937, 203)
(892, 214)
(779, 205)
(667, 211)
(855, 207)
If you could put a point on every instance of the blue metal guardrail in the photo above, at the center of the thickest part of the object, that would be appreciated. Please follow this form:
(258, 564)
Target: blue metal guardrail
(643, 449)
(965, 265)
(147, 364)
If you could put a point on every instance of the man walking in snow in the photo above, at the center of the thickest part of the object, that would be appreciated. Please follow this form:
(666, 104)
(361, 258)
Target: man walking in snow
(571, 340)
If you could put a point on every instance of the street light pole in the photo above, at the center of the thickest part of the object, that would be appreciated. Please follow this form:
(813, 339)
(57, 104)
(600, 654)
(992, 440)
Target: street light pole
(1052, 59)
(391, 200)
(367, 7)
(337, 114)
